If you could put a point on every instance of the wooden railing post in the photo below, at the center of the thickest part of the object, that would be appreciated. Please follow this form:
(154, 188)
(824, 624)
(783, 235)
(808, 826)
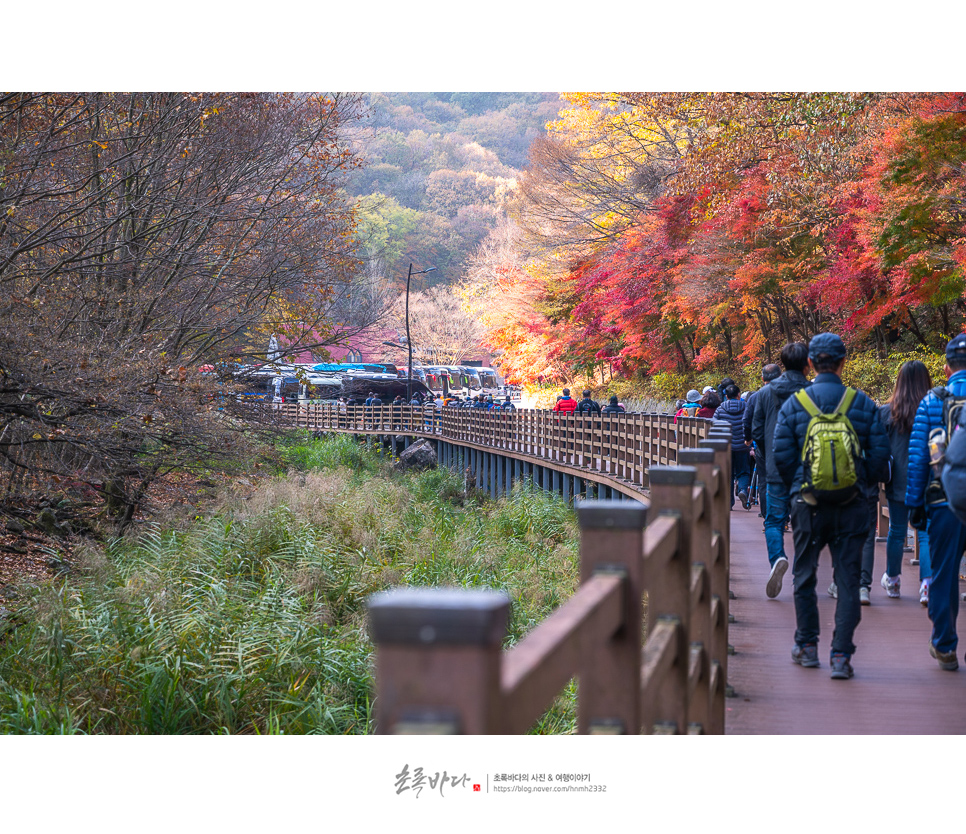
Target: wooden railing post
(609, 681)
(708, 625)
(721, 571)
(438, 656)
(669, 596)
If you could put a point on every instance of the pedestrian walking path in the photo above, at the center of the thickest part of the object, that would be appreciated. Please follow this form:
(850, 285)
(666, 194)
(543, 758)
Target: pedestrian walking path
(897, 689)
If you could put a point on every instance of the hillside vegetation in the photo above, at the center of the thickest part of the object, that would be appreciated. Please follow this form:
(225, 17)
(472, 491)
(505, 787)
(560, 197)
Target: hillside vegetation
(437, 170)
(253, 619)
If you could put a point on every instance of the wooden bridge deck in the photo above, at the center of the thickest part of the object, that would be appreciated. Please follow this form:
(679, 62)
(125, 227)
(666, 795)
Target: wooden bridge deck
(897, 689)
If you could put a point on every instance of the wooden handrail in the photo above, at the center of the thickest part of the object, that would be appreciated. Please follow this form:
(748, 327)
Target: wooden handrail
(439, 665)
(623, 446)
(538, 667)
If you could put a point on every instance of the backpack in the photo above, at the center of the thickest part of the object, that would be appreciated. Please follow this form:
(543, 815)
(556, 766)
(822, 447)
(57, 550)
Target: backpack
(587, 407)
(940, 441)
(829, 452)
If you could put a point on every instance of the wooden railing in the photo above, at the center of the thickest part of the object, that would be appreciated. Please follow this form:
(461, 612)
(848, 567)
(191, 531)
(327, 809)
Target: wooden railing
(624, 446)
(440, 661)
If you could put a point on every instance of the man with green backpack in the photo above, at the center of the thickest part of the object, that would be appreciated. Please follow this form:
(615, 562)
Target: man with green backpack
(829, 446)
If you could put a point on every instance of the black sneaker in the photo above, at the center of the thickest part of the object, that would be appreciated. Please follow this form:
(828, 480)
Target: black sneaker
(743, 498)
(841, 667)
(806, 655)
(774, 586)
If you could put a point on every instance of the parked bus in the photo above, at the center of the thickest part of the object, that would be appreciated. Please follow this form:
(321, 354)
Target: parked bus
(491, 381)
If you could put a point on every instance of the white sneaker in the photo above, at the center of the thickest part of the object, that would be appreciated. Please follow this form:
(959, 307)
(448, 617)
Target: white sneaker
(891, 585)
(865, 598)
(774, 586)
(924, 592)
(833, 591)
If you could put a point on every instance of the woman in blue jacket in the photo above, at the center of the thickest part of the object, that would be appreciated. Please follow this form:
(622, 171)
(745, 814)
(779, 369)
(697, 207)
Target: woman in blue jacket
(947, 535)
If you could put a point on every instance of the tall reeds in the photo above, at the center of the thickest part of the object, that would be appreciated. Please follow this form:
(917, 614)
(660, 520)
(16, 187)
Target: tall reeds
(252, 620)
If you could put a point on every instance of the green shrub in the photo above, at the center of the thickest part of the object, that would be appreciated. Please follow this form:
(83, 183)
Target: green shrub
(877, 376)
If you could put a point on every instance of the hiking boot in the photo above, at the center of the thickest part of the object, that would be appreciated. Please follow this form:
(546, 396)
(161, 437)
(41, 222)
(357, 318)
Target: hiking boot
(774, 586)
(865, 597)
(891, 585)
(924, 592)
(947, 660)
(806, 655)
(833, 591)
(743, 498)
(841, 667)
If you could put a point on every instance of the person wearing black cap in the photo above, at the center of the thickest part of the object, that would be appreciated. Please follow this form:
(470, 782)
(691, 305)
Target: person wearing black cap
(820, 520)
(928, 507)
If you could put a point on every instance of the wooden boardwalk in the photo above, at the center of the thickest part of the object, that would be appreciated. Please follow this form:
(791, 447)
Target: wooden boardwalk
(897, 689)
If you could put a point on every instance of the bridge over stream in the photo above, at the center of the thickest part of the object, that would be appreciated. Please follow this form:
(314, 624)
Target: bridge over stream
(653, 503)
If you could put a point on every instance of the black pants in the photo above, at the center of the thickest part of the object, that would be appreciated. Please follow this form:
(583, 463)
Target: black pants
(843, 527)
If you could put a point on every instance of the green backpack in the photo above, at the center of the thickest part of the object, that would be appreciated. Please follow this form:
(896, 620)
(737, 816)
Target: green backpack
(829, 452)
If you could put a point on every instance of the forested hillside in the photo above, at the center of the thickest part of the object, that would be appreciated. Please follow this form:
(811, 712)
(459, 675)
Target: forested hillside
(682, 233)
(437, 168)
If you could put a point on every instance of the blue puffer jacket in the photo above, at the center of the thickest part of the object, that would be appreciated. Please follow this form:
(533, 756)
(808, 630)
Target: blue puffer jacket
(826, 391)
(733, 412)
(929, 416)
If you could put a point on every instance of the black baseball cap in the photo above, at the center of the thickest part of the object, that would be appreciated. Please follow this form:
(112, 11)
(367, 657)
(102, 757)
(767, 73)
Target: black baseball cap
(956, 349)
(826, 343)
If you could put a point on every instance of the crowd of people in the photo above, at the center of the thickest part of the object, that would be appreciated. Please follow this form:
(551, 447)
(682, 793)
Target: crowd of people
(422, 400)
(819, 451)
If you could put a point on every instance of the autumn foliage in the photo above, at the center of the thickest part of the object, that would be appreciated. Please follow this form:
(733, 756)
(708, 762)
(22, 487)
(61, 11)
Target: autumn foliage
(694, 231)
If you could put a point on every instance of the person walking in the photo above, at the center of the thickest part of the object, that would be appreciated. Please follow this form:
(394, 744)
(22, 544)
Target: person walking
(771, 398)
(566, 404)
(769, 373)
(732, 410)
(928, 508)
(691, 405)
(587, 405)
(912, 384)
(708, 404)
(613, 406)
(845, 448)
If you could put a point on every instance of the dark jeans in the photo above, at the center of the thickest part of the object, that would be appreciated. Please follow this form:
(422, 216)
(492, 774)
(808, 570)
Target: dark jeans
(843, 527)
(762, 491)
(895, 542)
(947, 541)
(868, 546)
(740, 471)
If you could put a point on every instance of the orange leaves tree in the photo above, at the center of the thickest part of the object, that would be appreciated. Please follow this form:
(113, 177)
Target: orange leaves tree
(144, 234)
(707, 229)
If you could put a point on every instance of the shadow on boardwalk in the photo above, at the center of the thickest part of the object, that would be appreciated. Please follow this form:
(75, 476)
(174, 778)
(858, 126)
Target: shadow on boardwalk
(897, 689)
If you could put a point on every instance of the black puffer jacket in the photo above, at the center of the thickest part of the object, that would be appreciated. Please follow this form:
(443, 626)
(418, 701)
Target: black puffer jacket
(899, 446)
(768, 403)
(826, 391)
(732, 412)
